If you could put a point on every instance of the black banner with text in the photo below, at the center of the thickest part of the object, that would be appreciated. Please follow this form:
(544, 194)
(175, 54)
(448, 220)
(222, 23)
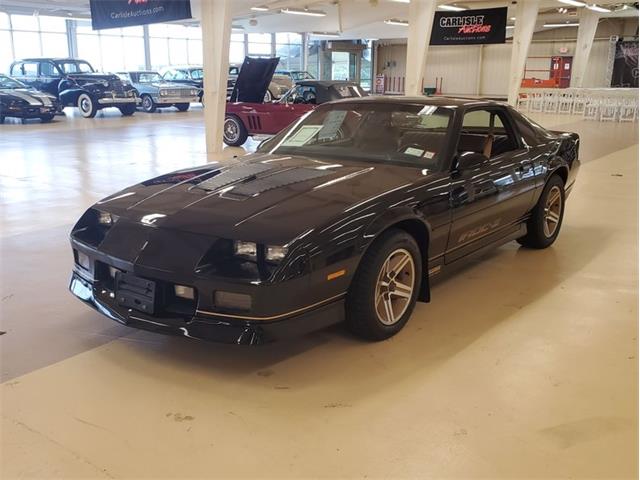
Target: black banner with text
(470, 27)
(126, 13)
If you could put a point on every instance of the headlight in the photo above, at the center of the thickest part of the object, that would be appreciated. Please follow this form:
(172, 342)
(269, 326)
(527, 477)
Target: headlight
(105, 83)
(245, 249)
(163, 93)
(276, 253)
(106, 219)
(194, 92)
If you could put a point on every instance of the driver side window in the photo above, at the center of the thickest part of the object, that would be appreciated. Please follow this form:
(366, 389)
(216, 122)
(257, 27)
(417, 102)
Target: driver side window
(484, 131)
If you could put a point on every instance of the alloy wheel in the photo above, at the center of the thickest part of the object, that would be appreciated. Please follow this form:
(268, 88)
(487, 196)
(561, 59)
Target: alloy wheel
(552, 211)
(394, 287)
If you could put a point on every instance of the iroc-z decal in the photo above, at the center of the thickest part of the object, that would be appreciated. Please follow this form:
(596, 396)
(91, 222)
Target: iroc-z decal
(479, 231)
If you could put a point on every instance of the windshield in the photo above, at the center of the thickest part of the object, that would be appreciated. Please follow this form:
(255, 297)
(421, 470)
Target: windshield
(75, 67)
(404, 134)
(196, 74)
(149, 77)
(301, 76)
(10, 83)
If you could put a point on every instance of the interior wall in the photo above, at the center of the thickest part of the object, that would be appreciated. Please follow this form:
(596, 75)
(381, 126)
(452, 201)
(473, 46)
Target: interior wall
(459, 66)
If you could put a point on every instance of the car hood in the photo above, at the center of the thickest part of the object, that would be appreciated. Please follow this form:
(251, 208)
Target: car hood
(31, 96)
(93, 77)
(263, 198)
(254, 79)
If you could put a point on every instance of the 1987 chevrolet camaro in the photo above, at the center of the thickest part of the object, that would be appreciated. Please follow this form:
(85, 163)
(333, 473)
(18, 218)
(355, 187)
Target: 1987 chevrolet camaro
(344, 215)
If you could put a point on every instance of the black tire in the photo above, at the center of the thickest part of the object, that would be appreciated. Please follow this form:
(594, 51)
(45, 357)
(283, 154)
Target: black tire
(182, 107)
(362, 316)
(87, 105)
(234, 131)
(127, 110)
(2, 118)
(148, 105)
(47, 118)
(539, 232)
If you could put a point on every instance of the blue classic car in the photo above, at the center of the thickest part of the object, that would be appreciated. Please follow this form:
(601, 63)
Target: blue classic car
(158, 93)
(75, 83)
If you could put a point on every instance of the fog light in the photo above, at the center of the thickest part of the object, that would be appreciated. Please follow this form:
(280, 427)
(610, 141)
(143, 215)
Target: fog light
(83, 260)
(234, 301)
(183, 291)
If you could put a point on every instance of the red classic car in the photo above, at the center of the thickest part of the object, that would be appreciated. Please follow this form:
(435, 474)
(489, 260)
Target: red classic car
(247, 114)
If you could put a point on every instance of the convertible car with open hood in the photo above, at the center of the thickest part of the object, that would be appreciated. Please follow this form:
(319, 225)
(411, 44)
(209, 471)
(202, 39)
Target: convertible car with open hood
(247, 114)
(345, 215)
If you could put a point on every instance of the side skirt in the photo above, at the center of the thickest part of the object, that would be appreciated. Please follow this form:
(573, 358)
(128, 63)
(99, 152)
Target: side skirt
(439, 271)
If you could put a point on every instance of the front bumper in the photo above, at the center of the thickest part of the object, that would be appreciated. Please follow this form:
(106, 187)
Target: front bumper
(32, 111)
(219, 329)
(173, 100)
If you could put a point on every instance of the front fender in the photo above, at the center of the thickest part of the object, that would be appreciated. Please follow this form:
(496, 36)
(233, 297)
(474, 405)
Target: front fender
(70, 95)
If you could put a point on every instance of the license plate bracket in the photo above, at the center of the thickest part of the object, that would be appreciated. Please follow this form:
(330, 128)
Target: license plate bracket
(135, 292)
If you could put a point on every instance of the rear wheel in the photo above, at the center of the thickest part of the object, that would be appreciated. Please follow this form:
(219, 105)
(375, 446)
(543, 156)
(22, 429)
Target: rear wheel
(87, 106)
(183, 107)
(546, 218)
(47, 118)
(127, 110)
(384, 290)
(148, 105)
(235, 133)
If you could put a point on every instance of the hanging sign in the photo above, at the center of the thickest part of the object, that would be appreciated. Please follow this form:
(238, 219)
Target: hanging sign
(470, 27)
(126, 13)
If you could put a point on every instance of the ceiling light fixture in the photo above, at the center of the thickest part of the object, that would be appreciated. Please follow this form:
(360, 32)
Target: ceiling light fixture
(260, 8)
(598, 8)
(304, 11)
(395, 21)
(573, 3)
(325, 34)
(451, 8)
(558, 25)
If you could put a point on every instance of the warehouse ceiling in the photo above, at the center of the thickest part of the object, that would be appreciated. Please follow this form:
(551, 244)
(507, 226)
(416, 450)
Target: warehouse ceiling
(344, 18)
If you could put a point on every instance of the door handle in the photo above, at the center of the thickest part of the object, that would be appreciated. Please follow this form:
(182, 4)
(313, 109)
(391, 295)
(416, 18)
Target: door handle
(524, 167)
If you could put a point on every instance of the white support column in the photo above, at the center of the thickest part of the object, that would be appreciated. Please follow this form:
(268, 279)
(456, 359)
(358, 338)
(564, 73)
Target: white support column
(586, 33)
(526, 16)
(216, 36)
(421, 13)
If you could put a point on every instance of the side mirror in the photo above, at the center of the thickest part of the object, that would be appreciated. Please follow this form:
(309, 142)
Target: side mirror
(469, 160)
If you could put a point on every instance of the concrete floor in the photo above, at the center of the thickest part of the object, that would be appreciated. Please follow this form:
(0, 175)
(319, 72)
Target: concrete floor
(524, 364)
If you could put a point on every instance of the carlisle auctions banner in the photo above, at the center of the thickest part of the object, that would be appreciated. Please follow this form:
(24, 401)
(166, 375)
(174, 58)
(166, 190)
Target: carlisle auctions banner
(470, 27)
(126, 13)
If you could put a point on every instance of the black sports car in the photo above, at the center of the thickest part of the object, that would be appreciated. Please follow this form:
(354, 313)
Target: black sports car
(18, 100)
(345, 214)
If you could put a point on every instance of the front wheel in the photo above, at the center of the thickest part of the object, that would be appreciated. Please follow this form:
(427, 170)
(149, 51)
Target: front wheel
(87, 106)
(127, 110)
(182, 107)
(148, 104)
(546, 218)
(47, 118)
(235, 133)
(384, 291)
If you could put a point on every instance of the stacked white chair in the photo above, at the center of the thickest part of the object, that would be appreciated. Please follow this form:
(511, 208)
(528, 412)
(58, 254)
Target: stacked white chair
(579, 101)
(551, 101)
(523, 102)
(536, 102)
(565, 101)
